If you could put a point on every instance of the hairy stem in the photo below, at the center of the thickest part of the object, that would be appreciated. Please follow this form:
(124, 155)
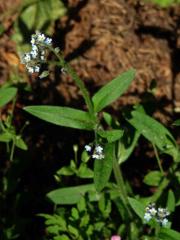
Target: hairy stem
(120, 182)
(77, 80)
(158, 159)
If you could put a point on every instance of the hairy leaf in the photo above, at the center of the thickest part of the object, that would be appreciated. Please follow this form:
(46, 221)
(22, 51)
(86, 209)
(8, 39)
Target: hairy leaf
(63, 116)
(114, 89)
(103, 168)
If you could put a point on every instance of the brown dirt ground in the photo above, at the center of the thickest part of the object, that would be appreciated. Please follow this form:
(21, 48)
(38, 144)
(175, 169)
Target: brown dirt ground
(104, 38)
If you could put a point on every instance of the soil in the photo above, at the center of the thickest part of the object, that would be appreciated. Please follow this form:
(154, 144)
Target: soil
(101, 39)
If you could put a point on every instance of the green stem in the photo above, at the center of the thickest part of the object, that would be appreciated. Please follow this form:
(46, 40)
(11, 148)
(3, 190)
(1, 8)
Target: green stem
(13, 107)
(158, 159)
(77, 80)
(157, 230)
(121, 184)
(165, 182)
(12, 151)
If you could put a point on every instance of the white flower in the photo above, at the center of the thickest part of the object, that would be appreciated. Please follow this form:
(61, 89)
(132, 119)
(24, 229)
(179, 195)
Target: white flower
(48, 41)
(42, 57)
(95, 156)
(27, 57)
(88, 148)
(98, 149)
(147, 217)
(101, 156)
(34, 47)
(153, 211)
(34, 54)
(164, 222)
(40, 37)
(98, 156)
(33, 59)
(36, 69)
(30, 69)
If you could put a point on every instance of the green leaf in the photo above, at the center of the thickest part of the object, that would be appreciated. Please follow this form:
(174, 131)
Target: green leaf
(75, 213)
(53, 229)
(6, 95)
(70, 195)
(111, 135)
(19, 142)
(168, 234)
(6, 137)
(62, 237)
(103, 167)
(127, 144)
(114, 89)
(108, 118)
(66, 171)
(137, 206)
(84, 171)
(176, 123)
(63, 116)
(171, 201)
(165, 3)
(73, 230)
(155, 132)
(44, 74)
(153, 178)
(41, 12)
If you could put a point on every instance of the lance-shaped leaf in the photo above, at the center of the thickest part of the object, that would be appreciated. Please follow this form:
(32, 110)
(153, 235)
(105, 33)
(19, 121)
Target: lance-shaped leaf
(103, 167)
(6, 95)
(114, 89)
(127, 143)
(168, 234)
(72, 195)
(63, 116)
(155, 132)
(137, 206)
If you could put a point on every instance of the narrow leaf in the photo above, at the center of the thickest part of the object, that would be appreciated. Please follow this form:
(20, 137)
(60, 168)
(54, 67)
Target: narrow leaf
(155, 132)
(6, 95)
(19, 142)
(70, 195)
(137, 206)
(6, 137)
(171, 201)
(103, 168)
(168, 234)
(114, 89)
(63, 116)
(127, 144)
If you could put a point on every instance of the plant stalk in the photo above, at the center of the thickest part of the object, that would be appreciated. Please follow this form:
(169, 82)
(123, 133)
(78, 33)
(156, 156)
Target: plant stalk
(158, 159)
(77, 80)
(121, 184)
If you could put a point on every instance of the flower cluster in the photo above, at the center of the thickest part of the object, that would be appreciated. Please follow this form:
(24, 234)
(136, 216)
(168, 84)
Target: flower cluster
(97, 152)
(160, 214)
(36, 56)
